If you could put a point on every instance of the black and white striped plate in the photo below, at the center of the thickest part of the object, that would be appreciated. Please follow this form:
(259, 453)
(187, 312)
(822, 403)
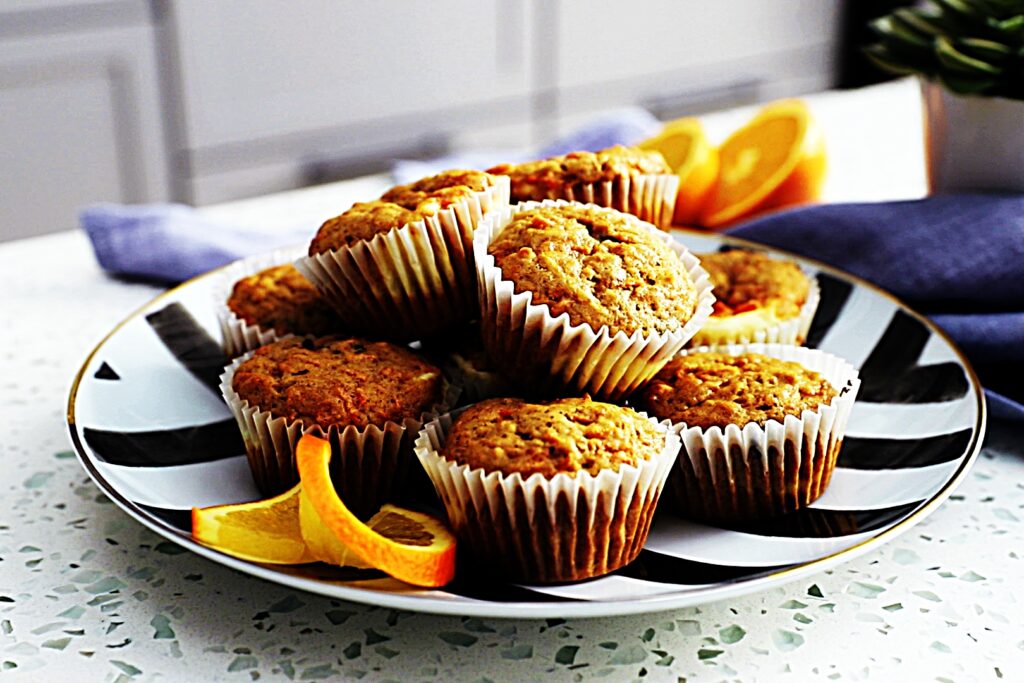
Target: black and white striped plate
(147, 420)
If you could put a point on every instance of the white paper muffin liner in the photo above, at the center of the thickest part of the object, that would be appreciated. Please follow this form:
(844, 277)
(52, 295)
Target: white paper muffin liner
(547, 530)
(552, 353)
(411, 281)
(790, 331)
(650, 198)
(748, 471)
(369, 464)
(237, 335)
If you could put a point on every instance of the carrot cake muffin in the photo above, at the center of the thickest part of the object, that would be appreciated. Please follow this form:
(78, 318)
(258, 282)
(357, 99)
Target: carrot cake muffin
(569, 435)
(548, 492)
(750, 448)
(717, 389)
(332, 381)
(598, 266)
(402, 267)
(399, 206)
(549, 178)
(282, 300)
(367, 398)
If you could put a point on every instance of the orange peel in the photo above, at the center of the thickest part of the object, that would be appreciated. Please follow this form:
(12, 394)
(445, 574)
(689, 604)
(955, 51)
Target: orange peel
(411, 546)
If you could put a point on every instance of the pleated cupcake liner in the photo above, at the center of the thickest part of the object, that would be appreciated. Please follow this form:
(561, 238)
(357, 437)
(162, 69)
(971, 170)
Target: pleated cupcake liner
(548, 352)
(717, 331)
(650, 198)
(411, 281)
(369, 465)
(547, 529)
(748, 471)
(237, 335)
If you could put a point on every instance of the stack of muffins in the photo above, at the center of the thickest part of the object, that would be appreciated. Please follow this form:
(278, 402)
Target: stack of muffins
(554, 321)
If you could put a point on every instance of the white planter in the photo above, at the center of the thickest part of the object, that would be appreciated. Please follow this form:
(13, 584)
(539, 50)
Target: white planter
(972, 143)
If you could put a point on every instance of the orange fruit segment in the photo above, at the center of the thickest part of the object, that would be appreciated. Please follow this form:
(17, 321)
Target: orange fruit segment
(261, 531)
(410, 546)
(686, 149)
(775, 160)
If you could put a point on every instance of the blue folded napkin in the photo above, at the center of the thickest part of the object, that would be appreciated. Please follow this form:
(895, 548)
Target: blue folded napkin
(959, 259)
(172, 242)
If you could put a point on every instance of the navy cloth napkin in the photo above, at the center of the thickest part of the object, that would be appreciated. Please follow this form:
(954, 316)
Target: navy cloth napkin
(959, 259)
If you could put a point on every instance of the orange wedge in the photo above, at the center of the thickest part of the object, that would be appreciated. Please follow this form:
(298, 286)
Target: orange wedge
(776, 160)
(686, 149)
(262, 531)
(410, 546)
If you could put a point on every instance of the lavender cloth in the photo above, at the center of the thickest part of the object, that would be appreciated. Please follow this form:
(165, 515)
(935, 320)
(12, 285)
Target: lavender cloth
(957, 258)
(172, 242)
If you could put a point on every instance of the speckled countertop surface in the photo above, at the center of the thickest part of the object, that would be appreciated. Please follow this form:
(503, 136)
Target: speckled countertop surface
(86, 593)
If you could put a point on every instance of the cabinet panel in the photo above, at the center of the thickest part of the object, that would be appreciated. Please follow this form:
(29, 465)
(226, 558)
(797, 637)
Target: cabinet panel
(80, 125)
(274, 69)
(599, 42)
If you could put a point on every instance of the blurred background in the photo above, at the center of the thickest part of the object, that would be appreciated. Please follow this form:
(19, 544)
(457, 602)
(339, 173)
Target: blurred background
(204, 102)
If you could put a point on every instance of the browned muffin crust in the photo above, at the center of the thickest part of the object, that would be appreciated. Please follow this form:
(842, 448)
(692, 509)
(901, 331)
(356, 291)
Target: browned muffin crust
(331, 381)
(281, 299)
(399, 206)
(598, 266)
(569, 435)
(744, 279)
(548, 178)
(716, 389)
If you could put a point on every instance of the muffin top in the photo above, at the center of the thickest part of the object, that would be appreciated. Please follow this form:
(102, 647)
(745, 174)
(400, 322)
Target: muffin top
(569, 435)
(716, 389)
(546, 179)
(746, 280)
(397, 207)
(598, 265)
(281, 299)
(335, 381)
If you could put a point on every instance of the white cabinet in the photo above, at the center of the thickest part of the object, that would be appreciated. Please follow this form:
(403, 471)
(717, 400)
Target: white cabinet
(685, 56)
(81, 124)
(277, 95)
(292, 88)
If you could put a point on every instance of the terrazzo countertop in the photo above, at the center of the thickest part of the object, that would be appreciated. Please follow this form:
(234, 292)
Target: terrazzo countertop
(88, 594)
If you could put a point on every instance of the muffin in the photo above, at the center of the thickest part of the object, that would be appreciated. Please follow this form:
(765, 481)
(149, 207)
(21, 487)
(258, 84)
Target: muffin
(548, 492)
(761, 426)
(367, 398)
(584, 299)
(265, 304)
(629, 179)
(757, 299)
(402, 266)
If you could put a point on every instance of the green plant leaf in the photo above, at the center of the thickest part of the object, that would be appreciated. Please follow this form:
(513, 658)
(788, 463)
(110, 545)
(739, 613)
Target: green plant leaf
(962, 10)
(881, 57)
(953, 59)
(985, 50)
(918, 21)
(890, 28)
(1001, 8)
(1011, 28)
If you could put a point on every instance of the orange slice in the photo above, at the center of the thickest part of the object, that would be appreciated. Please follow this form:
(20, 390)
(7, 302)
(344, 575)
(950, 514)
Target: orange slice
(410, 546)
(262, 531)
(776, 160)
(686, 149)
